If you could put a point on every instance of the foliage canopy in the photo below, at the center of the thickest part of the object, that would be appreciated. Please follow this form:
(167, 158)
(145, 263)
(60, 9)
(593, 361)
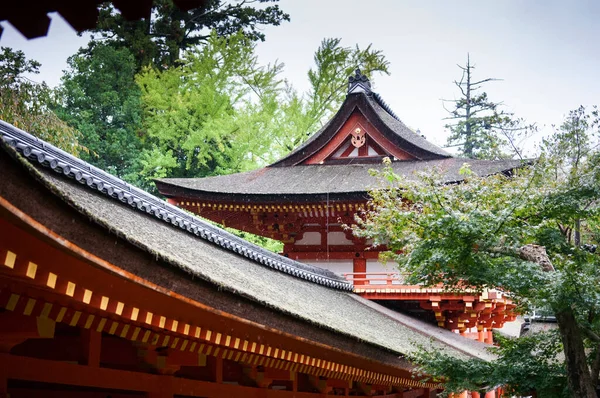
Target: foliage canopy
(479, 127)
(533, 234)
(27, 104)
(221, 111)
(99, 98)
(159, 40)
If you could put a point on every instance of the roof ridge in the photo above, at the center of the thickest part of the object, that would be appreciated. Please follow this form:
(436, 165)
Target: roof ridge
(385, 106)
(49, 156)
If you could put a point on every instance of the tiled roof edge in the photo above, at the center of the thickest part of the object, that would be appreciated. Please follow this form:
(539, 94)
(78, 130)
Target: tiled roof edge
(47, 155)
(385, 106)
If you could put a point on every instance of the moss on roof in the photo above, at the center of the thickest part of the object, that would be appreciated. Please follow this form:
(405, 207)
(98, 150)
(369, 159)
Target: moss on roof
(335, 310)
(292, 181)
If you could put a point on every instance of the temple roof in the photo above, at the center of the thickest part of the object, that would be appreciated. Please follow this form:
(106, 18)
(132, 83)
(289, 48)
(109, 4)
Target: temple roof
(330, 165)
(316, 182)
(376, 111)
(62, 162)
(93, 196)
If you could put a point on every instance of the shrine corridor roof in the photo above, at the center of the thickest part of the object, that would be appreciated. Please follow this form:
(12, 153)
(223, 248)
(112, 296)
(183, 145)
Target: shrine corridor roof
(294, 179)
(134, 224)
(310, 180)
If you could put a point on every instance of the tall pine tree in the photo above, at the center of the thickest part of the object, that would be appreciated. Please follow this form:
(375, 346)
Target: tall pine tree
(160, 40)
(478, 126)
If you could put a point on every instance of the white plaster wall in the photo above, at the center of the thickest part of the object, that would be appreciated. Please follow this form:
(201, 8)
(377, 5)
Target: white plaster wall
(341, 150)
(310, 238)
(512, 329)
(338, 266)
(338, 238)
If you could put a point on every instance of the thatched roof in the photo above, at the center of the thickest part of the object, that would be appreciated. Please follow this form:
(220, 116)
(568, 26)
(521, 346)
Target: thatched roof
(60, 161)
(309, 183)
(208, 261)
(372, 106)
(291, 179)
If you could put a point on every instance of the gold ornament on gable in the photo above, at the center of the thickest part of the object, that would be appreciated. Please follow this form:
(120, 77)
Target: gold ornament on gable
(358, 137)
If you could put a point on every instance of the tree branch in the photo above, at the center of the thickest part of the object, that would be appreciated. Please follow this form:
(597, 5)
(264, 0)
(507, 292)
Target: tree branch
(536, 254)
(532, 253)
(590, 334)
(489, 79)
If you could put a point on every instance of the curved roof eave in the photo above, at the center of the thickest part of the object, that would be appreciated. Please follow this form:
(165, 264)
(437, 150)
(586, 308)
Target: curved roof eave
(175, 191)
(314, 183)
(50, 157)
(371, 105)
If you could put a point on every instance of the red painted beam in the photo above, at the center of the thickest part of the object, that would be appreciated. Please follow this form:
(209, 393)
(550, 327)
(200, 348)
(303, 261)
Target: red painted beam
(401, 296)
(91, 286)
(355, 120)
(64, 393)
(45, 371)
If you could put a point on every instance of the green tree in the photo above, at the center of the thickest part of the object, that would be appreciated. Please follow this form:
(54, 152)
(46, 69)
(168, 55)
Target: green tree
(277, 120)
(27, 104)
(189, 109)
(221, 111)
(530, 364)
(99, 97)
(160, 39)
(329, 79)
(478, 126)
(514, 233)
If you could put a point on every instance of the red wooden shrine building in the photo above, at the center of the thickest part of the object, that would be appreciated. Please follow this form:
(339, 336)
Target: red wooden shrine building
(305, 199)
(108, 291)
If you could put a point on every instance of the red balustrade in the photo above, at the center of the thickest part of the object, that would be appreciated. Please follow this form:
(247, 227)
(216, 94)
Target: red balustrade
(375, 279)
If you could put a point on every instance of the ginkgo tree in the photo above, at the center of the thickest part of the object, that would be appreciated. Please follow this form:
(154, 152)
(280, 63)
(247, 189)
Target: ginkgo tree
(533, 234)
(222, 111)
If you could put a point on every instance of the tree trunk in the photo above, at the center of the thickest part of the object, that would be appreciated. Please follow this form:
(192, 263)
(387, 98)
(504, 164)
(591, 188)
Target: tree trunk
(578, 372)
(578, 232)
(595, 367)
(469, 145)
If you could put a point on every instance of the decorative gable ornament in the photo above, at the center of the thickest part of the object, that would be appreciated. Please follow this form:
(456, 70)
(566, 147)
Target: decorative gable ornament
(358, 137)
(359, 83)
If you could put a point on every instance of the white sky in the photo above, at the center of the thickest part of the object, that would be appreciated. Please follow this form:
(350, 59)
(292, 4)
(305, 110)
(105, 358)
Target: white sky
(546, 51)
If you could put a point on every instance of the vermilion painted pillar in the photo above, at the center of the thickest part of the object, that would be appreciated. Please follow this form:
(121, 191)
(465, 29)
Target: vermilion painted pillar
(475, 395)
(491, 394)
(294, 376)
(429, 393)
(489, 338)
(91, 347)
(481, 335)
(359, 265)
(219, 370)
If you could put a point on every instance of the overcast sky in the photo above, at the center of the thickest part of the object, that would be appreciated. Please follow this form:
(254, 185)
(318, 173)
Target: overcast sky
(547, 52)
